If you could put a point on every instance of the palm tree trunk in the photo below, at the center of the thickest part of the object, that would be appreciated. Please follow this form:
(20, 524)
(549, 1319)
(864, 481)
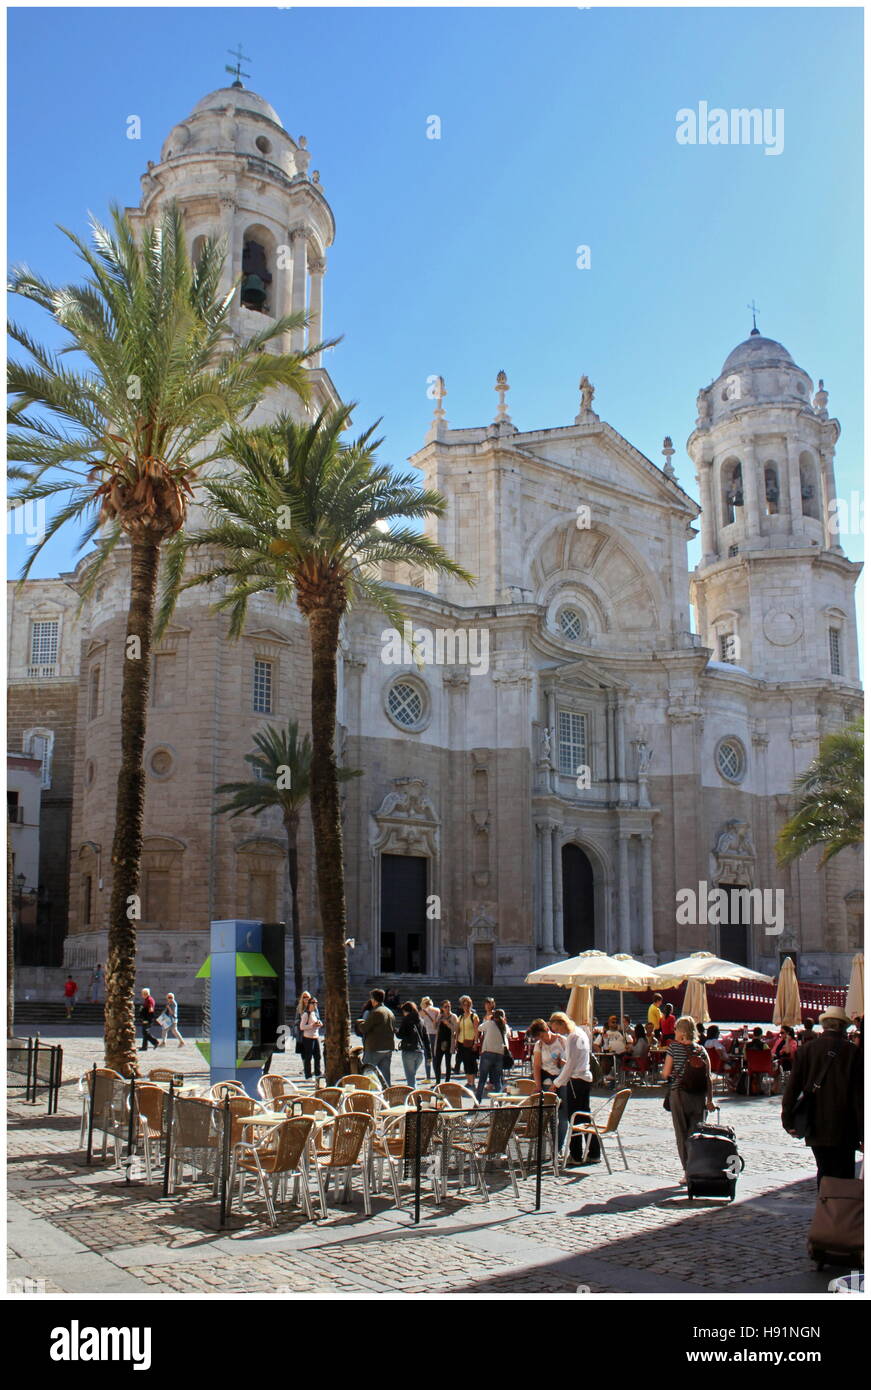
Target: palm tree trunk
(124, 911)
(10, 943)
(291, 826)
(324, 631)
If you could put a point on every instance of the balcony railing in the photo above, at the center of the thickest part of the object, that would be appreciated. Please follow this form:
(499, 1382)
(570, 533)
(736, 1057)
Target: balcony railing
(41, 673)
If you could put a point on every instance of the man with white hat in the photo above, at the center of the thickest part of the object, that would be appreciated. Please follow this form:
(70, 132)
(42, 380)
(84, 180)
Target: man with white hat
(828, 1071)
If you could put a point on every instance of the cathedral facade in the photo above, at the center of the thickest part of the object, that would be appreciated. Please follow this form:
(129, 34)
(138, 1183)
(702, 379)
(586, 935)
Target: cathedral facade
(554, 758)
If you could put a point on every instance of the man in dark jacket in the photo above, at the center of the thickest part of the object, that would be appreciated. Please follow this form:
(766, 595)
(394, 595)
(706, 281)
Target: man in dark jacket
(377, 1032)
(832, 1064)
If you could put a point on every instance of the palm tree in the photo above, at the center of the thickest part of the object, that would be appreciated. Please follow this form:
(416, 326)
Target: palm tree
(119, 441)
(309, 515)
(831, 799)
(282, 777)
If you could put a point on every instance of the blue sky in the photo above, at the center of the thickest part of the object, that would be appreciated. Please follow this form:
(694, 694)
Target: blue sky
(457, 256)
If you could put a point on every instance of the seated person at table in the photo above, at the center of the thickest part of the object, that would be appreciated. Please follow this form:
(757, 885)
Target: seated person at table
(666, 1024)
(640, 1044)
(714, 1043)
(739, 1038)
(650, 1034)
(807, 1033)
(785, 1048)
(613, 1040)
(757, 1043)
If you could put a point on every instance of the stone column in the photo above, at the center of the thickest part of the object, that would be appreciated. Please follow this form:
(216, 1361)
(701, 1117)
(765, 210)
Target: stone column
(620, 740)
(750, 481)
(557, 859)
(316, 306)
(232, 267)
(708, 519)
(609, 736)
(647, 895)
(553, 774)
(297, 304)
(828, 512)
(623, 891)
(546, 932)
(793, 483)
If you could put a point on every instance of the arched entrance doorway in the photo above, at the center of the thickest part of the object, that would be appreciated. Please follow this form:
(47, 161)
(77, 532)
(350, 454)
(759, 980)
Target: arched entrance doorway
(579, 906)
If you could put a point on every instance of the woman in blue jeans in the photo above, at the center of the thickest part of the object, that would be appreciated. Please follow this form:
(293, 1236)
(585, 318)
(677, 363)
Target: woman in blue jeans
(412, 1041)
(492, 1034)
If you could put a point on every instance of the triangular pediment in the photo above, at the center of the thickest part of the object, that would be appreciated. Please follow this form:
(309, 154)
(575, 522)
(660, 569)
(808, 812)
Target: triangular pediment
(267, 634)
(590, 675)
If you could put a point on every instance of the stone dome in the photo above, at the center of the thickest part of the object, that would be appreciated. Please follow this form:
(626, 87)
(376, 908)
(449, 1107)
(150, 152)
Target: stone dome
(757, 351)
(237, 96)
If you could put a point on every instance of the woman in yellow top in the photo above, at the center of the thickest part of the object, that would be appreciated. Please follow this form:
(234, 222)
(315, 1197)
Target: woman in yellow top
(467, 1032)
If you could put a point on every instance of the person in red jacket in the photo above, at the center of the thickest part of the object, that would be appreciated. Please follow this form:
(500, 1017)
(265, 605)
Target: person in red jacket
(147, 1009)
(666, 1024)
(71, 989)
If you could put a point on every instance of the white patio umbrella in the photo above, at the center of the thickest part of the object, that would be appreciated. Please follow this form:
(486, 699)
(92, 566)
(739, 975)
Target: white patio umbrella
(704, 965)
(599, 971)
(695, 1001)
(854, 1004)
(787, 1001)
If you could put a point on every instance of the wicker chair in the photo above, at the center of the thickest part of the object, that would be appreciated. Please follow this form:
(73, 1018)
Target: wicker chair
(588, 1125)
(283, 1156)
(459, 1097)
(241, 1108)
(150, 1117)
(108, 1104)
(333, 1095)
(428, 1098)
(225, 1088)
(196, 1138)
(350, 1134)
(316, 1108)
(524, 1086)
(526, 1130)
(271, 1087)
(397, 1147)
(397, 1095)
(360, 1081)
(364, 1103)
(488, 1135)
(162, 1074)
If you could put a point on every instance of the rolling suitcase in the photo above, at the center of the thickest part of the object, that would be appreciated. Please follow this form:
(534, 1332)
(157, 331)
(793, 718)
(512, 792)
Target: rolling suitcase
(713, 1161)
(836, 1235)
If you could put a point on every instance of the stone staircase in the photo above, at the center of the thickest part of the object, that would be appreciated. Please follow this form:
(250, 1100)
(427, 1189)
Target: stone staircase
(52, 1016)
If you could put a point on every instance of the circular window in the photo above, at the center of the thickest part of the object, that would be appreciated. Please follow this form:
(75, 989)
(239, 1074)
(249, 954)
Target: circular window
(731, 762)
(571, 625)
(405, 704)
(263, 144)
(161, 762)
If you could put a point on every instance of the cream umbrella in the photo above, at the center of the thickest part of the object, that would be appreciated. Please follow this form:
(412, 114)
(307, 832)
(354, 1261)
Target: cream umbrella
(695, 1001)
(787, 1001)
(703, 965)
(580, 1006)
(854, 1004)
(599, 971)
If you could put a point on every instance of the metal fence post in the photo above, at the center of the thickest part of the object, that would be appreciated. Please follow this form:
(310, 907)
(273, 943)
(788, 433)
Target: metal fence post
(539, 1145)
(417, 1124)
(91, 1112)
(225, 1158)
(170, 1107)
(30, 1083)
(131, 1104)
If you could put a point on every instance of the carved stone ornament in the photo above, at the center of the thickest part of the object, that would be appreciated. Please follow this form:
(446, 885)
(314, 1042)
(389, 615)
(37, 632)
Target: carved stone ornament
(734, 854)
(406, 821)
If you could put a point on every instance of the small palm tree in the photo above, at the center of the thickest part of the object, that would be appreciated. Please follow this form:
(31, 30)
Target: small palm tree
(282, 777)
(310, 516)
(830, 799)
(119, 441)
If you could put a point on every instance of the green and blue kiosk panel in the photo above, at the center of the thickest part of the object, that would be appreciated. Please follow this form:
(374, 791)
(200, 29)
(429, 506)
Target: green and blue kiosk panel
(245, 969)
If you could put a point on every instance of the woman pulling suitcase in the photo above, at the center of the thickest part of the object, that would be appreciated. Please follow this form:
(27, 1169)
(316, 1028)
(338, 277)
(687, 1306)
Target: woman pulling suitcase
(687, 1069)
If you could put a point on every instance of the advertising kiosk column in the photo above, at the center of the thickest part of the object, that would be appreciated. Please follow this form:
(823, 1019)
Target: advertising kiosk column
(245, 971)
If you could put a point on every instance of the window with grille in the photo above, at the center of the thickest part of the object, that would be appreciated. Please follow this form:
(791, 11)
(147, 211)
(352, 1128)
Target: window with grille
(263, 687)
(571, 624)
(43, 646)
(405, 704)
(572, 730)
(728, 648)
(730, 760)
(835, 651)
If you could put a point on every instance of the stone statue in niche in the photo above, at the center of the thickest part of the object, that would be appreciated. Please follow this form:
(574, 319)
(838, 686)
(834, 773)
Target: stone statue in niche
(703, 406)
(546, 741)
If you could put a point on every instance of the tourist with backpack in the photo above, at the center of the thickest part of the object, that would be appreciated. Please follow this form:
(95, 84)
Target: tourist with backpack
(687, 1070)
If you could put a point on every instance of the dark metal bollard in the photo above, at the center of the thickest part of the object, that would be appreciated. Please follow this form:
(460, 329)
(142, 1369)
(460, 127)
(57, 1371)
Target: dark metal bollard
(91, 1112)
(417, 1122)
(167, 1159)
(32, 1069)
(225, 1158)
(539, 1146)
(131, 1107)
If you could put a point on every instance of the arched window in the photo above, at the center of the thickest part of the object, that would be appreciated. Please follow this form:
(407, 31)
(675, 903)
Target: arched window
(772, 490)
(256, 275)
(809, 475)
(197, 248)
(733, 490)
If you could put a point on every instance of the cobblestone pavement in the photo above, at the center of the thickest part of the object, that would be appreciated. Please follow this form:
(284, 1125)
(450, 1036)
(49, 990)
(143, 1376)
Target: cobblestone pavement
(85, 1230)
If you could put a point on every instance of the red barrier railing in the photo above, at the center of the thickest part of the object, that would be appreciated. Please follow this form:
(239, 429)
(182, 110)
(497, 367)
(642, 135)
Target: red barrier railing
(751, 1001)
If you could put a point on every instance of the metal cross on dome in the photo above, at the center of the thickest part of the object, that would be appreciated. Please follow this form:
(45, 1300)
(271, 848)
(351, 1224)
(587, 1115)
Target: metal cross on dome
(752, 306)
(237, 70)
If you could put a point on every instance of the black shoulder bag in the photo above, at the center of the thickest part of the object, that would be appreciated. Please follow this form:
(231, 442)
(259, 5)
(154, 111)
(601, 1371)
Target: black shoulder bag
(803, 1111)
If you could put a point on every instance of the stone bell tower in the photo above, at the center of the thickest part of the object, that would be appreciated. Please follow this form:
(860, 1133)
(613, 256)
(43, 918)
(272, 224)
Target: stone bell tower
(236, 174)
(774, 590)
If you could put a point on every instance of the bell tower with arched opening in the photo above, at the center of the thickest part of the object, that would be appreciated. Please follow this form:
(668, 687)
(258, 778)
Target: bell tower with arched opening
(774, 590)
(237, 174)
